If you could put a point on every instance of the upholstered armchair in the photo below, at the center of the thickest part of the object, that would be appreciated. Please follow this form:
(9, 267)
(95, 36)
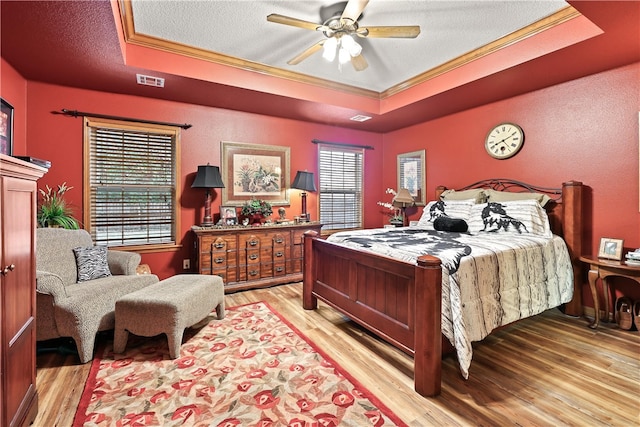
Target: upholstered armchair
(70, 303)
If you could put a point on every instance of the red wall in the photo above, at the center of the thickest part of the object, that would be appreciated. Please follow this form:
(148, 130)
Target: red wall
(585, 130)
(58, 138)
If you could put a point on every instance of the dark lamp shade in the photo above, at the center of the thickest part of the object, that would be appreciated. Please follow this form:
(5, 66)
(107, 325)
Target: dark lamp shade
(304, 181)
(208, 177)
(403, 199)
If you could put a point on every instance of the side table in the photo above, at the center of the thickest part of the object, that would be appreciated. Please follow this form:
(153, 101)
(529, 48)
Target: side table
(603, 269)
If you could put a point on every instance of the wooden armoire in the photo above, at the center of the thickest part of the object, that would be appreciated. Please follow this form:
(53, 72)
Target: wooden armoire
(18, 196)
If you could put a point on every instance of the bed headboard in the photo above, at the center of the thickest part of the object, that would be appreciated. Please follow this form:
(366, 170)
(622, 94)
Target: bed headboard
(565, 217)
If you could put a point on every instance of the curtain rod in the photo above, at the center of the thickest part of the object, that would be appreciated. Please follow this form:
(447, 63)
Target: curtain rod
(76, 113)
(366, 147)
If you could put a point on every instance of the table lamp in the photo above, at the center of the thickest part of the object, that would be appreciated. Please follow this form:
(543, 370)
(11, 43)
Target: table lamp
(207, 177)
(403, 200)
(304, 181)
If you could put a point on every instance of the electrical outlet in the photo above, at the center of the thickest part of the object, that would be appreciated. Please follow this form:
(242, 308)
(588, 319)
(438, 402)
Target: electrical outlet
(186, 264)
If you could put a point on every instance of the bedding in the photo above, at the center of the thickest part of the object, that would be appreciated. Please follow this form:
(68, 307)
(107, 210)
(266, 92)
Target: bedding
(488, 279)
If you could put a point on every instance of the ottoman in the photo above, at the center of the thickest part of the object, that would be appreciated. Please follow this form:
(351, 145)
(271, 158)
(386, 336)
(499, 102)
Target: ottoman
(168, 307)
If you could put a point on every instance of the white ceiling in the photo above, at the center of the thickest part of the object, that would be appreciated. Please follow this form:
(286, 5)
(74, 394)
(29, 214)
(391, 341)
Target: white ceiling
(240, 29)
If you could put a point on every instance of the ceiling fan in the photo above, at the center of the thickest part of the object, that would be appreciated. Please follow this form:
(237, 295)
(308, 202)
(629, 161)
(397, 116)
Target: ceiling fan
(339, 28)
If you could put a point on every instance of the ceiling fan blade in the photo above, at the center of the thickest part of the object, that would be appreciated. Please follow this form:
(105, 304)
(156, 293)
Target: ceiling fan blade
(294, 22)
(400, 31)
(353, 9)
(359, 63)
(307, 53)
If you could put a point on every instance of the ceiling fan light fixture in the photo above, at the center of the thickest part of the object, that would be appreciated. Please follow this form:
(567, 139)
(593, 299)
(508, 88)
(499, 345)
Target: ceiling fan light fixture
(343, 55)
(351, 45)
(330, 48)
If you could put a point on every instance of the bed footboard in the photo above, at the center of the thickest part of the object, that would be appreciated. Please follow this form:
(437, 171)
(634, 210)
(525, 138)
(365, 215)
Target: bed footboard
(382, 294)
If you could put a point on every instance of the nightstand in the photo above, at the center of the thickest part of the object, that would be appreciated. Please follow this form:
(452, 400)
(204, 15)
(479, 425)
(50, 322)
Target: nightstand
(603, 269)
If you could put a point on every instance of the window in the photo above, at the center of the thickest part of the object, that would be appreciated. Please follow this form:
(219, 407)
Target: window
(341, 171)
(131, 188)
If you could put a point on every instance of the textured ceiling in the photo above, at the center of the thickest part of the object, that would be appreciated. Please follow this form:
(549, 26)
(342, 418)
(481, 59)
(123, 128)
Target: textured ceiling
(240, 29)
(81, 44)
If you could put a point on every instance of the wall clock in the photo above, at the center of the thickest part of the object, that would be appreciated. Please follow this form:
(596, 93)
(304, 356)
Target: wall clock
(504, 140)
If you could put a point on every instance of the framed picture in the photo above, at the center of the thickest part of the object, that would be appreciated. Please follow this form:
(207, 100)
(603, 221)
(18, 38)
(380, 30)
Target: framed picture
(228, 215)
(412, 175)
(6, 127)
(254, 171)
(610, 248)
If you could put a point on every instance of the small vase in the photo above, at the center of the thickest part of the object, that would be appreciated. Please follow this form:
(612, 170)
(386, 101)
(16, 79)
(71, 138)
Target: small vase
(256, 219)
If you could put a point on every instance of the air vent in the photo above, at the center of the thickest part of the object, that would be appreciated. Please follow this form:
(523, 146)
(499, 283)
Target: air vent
(150, 80)
(360, 118)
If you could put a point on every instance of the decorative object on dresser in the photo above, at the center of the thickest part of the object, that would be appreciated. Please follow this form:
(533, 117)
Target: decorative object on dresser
(395, 216)
(304, 181)
(228, 215)
(18, 194)
(252, 257)
(256, 210)
(610, 248)
(504, 140)
(402, 201)
(208, 177)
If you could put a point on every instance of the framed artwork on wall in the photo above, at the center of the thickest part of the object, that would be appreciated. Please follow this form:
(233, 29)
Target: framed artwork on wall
(610, 248)
(412, 175)
(6, 127)
(254, 171)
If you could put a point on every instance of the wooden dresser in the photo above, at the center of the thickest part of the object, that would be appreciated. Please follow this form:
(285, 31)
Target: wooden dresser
(18, 196)
(252, 257)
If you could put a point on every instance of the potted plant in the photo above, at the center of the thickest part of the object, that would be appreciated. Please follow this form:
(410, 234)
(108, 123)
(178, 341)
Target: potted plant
(53, 210)
(256, 209)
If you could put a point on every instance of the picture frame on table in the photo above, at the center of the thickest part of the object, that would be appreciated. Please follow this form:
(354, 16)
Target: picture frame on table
(254, 171)
(412, 175)
(610, 248)
(228, 215)
(6, 127)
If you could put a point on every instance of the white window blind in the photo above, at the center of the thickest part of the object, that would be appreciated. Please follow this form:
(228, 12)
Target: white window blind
(132, 183)
(341, 176)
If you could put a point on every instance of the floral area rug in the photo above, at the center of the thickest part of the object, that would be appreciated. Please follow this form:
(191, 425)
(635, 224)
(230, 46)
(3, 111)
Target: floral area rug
(252, 368)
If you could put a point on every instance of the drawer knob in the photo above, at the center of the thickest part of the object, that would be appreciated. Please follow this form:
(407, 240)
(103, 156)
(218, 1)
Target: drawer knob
(218, 245)
(253, 257)
(253, 272)
(279, 269)
(279, 254)
(279, 240)
(219, 260)
(253, 242)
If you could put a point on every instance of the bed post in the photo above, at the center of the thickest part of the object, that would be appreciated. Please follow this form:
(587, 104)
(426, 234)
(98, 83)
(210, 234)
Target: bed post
(309, 302)
(572, 233)
(427, 326)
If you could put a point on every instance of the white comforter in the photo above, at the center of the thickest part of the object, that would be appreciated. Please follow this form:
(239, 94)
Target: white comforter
(488, 280)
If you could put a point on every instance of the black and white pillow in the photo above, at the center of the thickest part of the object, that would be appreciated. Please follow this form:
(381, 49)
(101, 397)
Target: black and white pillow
(460, 209)
(515, 217)
(91, 262)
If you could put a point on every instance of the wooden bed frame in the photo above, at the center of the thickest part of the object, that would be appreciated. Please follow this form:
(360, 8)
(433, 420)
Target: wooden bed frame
(401, 302)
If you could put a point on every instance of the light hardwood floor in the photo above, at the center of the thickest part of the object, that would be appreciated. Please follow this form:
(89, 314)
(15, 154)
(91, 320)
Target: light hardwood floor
(550, 370)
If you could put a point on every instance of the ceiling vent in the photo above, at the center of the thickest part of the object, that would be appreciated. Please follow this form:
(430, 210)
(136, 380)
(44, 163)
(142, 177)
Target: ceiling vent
(150, 80)
(360, 118)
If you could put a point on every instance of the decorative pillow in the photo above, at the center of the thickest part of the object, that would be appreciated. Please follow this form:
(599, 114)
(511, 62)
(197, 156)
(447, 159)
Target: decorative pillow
(506, 196)
(476, 194)
(444, 223)
(515, 217)
(91, 262)
(448, 208)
